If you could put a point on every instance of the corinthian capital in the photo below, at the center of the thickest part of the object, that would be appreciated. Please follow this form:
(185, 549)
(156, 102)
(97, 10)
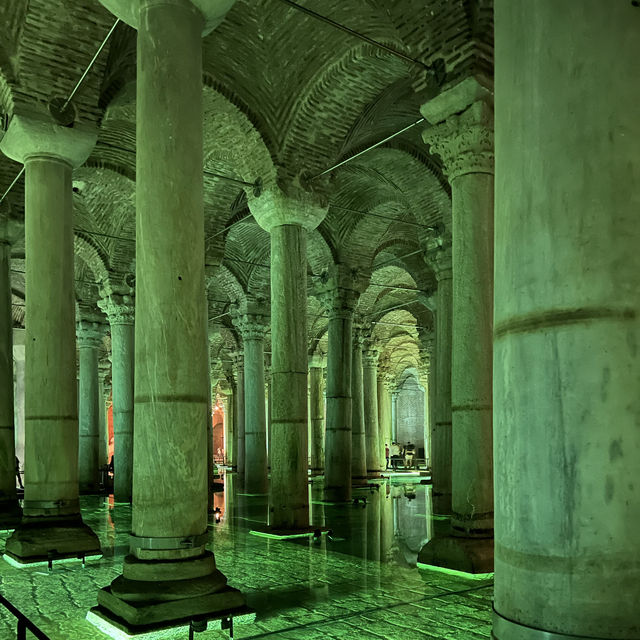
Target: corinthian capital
(119, 308)
(462, 131)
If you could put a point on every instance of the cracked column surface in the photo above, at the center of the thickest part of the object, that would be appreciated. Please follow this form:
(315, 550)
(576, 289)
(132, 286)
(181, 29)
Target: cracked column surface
(52, 521)
(358, 435)
(169, 574)
(253, 326)
(120, 311)
(463, 136)
(10, 512)
(89, 336)
(288, 217)
(316, 414)
(371, 423)
(567, 320)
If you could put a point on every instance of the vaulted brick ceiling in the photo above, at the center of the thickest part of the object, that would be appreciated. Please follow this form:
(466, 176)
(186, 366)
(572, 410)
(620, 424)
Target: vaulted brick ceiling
(283, 92)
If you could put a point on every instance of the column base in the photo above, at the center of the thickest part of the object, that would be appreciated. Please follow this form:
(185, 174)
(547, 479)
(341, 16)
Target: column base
(138, 606)
(358, 482)
(337, 495)
(473, 556)
(373, 473)
(10, 514)
(42, 539)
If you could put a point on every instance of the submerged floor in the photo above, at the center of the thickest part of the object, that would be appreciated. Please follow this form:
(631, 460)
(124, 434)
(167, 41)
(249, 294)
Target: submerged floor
(361, 582)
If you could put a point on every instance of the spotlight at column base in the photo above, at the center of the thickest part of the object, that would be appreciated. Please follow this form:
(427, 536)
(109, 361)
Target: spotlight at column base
(118, 629)
(471, 556)
(39, 540)
(144, 616)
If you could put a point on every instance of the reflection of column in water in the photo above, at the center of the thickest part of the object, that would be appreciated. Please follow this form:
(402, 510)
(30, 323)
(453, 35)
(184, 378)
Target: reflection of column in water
(428, 507)
(386, 522)
(229, 500)
(373, 526)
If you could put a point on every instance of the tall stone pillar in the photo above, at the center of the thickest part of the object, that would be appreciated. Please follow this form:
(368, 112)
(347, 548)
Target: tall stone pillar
(253, 326)
(358, 437)
(316, 414)
(340, 297)
(239, 414)
(9, 510)
(371, 422)
(441, 441)
(288, 217)
(119, 308)
(424, 371)
(463, 136)
(51, 506)
(229, 449)
(567, 321)
(89, 402)
(384, 410)
(394, 414)
(169, 574)
(268, 401)
(104, 374)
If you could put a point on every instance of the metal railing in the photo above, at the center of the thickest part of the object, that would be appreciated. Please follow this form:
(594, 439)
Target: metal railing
(24, 624)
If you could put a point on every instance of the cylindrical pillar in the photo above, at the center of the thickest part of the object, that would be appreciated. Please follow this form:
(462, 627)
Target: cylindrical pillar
(316, 415)
(239, 415)
(384, 409)
(463, 136)
(567, 320)
(338, 441)
(441, 444)
(229, 445)
(358, 437)
(168, 561)
(288, 217)
(120, 311)
(371, 422)
(253, 327)
(9, 509)
(51, 506)
(89, 402)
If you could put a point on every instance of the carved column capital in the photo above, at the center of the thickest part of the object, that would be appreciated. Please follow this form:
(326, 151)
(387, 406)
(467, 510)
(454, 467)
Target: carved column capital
(464, 141)
(339, 290)
(251, 326)
(89, 334)
(119, 308)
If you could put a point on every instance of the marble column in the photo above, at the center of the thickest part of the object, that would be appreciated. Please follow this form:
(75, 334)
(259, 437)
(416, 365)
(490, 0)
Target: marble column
(441, 443)
(394, 414)
(119, 308)
(51, 507)
(89, 336)
(239, 414)
(169, 574)
(340, 300)
(462, 134)
(424, 372)
(316, 414)
(384, 411)
(358, 437)
(567, 321)
(104, 373)
(288, 216)
(253, 326)
(228, 402)
(9, 508)
(371, 422)
(18, 391)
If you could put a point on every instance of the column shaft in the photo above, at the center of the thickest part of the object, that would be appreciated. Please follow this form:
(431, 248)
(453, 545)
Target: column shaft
(255, 439)
(471, 382)
(358, 437)
(338, 443)
(8, 500)
(567, 320)
(316, 415)
(51, 408)
(289, 493)
(122, 350)
(229, 430)
(88, 418)
(371, 422)
(441, 445)
(239, 419)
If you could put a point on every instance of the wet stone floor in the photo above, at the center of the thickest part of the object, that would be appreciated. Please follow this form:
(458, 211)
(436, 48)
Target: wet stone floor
(360, 582)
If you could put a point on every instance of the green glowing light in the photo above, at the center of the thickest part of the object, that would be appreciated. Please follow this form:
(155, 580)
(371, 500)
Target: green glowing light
(454, 572)
(45, 563)
(285, 536)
